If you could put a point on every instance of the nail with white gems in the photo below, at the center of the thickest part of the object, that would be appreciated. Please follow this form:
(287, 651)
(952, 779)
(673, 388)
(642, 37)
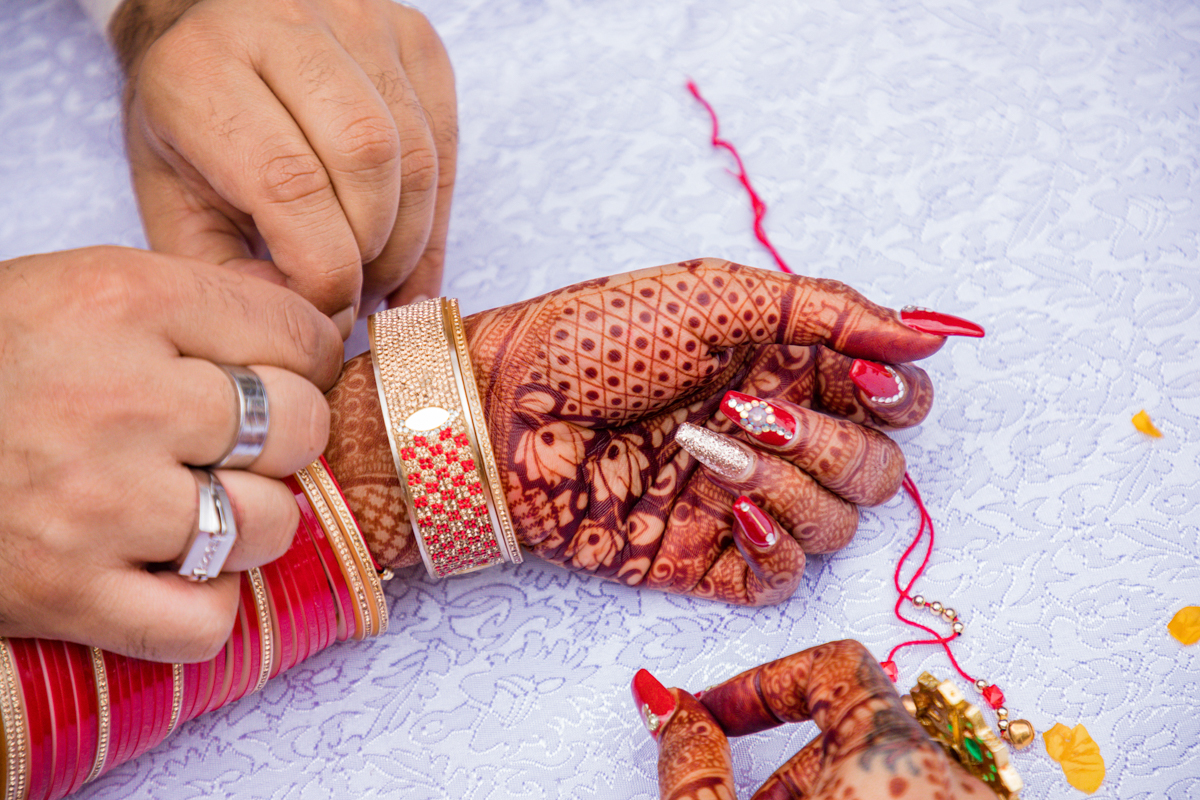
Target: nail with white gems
(768, 422)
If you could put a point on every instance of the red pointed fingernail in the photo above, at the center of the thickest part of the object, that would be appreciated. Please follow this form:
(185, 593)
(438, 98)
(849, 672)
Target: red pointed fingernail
(889, 668)
(754, 524)
(926, 321)
(762, 419)
(878, 381)
(653, 702)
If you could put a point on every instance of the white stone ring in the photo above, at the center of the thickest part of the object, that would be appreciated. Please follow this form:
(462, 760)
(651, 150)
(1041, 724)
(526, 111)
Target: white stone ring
(254, 419)
(216, 531)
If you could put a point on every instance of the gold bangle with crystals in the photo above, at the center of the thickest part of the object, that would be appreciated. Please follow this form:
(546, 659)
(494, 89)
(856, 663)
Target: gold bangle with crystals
(266, 634)
(16, 731)
(176, 697)
(104, 717)
(343, 532)
(960, 729)
(436, 430)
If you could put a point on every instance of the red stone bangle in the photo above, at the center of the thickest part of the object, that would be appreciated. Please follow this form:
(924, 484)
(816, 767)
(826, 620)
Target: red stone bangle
(286, 573)
(73, 765)
(233, 665)
(217, 686)
(141, 702)
(254, 653)
(245, 668)
(199, 688)
(323, 593)
(310, 585)
(160, 684)
(38, 714)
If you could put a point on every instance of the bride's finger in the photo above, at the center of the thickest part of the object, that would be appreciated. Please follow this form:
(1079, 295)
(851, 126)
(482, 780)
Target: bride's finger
(764, 569)
(859, 464)
(819, 520)
(872, 393)
(693, 753)
(796, 778)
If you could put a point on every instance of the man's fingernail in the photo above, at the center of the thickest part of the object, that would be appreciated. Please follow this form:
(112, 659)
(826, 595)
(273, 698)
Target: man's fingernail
(926, 321)
(344, 320)
(754, 524)
(719, 453)
(879, 382)
(765, 421)
(653, 702)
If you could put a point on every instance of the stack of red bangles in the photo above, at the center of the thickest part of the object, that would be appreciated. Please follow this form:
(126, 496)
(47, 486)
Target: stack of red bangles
(70, 712)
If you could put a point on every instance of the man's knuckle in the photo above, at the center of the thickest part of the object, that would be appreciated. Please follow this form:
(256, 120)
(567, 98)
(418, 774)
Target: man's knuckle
(291, 177)
(419, 168)
(371, 141)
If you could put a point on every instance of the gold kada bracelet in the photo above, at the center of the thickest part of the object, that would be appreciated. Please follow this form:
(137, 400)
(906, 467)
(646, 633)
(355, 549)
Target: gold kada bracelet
(439, 441)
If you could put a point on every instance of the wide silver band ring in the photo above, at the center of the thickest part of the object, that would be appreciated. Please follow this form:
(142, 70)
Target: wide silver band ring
(254, 419)
(216, 531)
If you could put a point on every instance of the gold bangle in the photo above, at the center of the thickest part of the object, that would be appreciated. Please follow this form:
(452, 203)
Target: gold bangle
(104, 717)
(176, 696)
(266, 636)
(346, 523)
(960, 729)
(439, 441)
(364, 620)
(16, 732)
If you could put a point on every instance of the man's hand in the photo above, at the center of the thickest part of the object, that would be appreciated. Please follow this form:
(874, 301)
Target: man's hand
(108, 389)
(322, 132)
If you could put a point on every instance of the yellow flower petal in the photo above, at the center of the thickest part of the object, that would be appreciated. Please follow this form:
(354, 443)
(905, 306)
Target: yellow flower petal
(1078, 754)
(1185, 625)
(1141, 421)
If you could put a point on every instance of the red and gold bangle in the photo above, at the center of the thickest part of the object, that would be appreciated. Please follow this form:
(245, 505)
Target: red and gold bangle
(198, 686)
(262, 612)
(363, 620)
(300, 559)
(75, 767)
(88, 707)
(217, 686)
(282, 617)
(103, 713)
(291, 586)
(119, 714)
(142, 704)
(439, 441)
(37, 704)
(342, 597)
(241, 639)
(177, 687)
(331, 493)
(62, 700)
(14, 719)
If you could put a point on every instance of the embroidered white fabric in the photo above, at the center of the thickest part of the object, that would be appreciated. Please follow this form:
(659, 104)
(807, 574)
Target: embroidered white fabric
(1028, 165)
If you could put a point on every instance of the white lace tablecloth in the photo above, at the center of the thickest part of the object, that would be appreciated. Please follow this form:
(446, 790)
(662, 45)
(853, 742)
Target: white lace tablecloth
(1028, 164)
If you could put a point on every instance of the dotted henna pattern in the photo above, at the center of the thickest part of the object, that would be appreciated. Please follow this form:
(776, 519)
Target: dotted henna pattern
(583, 389)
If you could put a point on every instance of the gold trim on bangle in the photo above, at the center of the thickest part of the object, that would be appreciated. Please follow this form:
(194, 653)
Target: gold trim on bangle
(358, 546)
(176, 696)
(439, 443)
(104, 715)
(16, 732)
(266, 636)
(364, 621)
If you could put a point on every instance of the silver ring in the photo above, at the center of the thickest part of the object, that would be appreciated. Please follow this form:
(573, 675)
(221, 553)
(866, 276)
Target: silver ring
(216, 531)
(254, 418)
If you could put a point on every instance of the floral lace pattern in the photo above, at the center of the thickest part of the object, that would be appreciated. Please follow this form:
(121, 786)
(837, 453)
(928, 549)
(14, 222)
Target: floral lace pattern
(1027, 165)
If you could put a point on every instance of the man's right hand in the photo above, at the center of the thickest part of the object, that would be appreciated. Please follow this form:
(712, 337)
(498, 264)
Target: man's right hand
(108, 389)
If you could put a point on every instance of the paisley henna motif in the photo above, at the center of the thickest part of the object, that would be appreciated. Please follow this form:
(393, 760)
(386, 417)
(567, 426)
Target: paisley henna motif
(583, 389)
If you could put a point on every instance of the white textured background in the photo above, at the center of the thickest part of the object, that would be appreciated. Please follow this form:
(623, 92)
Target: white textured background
(1031, 165)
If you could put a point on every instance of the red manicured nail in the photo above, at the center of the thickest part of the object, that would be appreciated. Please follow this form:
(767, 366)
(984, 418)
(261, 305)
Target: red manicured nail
(879, 381)
(765, 421)
(653, 702)
(889, 669)
(926, 321)
(754, 524)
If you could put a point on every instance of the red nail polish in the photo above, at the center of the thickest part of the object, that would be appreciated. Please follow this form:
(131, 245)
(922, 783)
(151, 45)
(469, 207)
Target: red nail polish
(879, 381)
(889, 669)
(652, 700)
(754, 524)
(926, 321)
(765, 421)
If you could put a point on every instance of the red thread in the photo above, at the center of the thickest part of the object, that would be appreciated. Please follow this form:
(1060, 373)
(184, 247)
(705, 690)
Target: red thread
(760, 211)
(756, 203)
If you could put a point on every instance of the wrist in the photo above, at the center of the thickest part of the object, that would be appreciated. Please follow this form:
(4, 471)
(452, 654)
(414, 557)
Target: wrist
(137, 24)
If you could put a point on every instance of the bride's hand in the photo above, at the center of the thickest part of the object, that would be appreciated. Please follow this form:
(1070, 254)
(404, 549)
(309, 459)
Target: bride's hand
(584, 389)
(868, 745)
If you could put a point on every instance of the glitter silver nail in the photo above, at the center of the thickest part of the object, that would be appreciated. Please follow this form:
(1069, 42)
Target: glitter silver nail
(719, 453)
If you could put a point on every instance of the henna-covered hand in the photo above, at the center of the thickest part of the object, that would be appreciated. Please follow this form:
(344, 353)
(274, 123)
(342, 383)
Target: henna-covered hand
(869, 746)
(585, 388)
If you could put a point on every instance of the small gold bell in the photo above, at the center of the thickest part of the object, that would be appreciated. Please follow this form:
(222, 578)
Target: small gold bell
(1020, 733)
